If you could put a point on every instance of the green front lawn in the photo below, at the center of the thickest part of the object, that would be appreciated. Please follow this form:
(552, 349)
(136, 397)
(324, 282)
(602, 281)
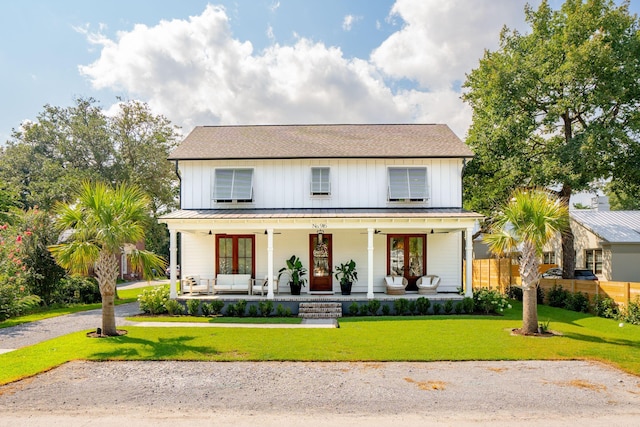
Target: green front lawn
(125, 296)
(358, 339)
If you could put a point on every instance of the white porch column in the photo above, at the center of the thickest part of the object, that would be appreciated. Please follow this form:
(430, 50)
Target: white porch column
(270, 272)
(370, 232)
(173, 252)
(468, 292)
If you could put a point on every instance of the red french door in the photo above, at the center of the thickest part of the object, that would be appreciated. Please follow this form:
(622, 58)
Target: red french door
(320, 279)
(406, 256)
(235, 254)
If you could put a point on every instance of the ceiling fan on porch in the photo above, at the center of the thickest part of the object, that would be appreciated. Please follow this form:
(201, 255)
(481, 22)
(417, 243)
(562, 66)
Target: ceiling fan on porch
(376, 231)
(438, 232)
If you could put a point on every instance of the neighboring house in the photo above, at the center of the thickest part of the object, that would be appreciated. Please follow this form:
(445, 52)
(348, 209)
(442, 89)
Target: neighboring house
(608, 243)
(387, 196)
(605, 242)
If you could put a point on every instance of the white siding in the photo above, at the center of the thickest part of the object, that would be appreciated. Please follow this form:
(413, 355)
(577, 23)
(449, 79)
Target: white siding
(355, 183)
(198, 255)
(444, 258)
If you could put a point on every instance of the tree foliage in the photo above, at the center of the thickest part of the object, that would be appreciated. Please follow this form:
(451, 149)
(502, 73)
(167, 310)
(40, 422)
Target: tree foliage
(99, 224)
(558, 107)
(46, 161)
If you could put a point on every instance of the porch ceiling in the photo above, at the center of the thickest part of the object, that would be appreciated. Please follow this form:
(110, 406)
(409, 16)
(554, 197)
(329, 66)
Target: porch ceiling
(439, 218)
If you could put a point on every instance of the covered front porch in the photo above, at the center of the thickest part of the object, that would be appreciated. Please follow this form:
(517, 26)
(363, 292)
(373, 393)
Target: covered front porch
(405, 242)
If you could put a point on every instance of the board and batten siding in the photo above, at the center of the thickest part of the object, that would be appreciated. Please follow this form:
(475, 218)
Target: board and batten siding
(444, 258)
(355, 183)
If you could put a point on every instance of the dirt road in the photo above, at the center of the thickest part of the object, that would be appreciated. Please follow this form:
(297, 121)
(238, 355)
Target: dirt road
(563, 393)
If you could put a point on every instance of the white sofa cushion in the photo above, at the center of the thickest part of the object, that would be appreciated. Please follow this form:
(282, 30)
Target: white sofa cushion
(233, 282)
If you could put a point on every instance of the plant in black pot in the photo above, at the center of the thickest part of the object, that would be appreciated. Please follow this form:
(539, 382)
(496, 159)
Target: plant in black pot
(347, 275)
(295, 270)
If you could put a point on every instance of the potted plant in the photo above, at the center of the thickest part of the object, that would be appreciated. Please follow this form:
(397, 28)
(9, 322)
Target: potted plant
(347, 275)
(295, 270)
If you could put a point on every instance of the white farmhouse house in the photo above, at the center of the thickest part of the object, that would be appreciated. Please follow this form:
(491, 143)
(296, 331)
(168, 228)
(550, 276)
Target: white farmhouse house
(387, 196)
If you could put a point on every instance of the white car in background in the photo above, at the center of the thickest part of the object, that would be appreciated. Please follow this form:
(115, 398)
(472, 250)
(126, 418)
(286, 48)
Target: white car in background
(168, 272)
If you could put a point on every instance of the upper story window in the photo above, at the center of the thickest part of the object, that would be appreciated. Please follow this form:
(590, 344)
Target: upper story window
(233, 185)
(320, 182)
(408, 184)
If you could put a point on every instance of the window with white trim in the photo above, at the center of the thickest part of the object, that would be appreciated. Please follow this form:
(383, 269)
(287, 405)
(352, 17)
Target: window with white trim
(408, 184)
(233, 185)
(593, 260)
(320, 182)
(549, 257)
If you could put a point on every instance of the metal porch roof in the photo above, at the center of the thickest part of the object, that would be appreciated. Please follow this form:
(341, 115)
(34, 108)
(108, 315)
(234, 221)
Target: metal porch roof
(351, 213)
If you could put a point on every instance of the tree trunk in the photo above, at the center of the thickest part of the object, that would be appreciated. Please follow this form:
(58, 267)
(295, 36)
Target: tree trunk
(107, 274)
(530, 276)
(108, 316)
(568, 251)
(529, 310)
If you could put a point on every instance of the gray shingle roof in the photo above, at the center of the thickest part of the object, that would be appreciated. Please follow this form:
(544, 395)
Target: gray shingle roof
(612, 226)
(321, 141)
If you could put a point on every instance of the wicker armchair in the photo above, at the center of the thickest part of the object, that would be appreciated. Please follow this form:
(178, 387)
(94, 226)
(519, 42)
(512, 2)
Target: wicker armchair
(428, 284)
(396, 285)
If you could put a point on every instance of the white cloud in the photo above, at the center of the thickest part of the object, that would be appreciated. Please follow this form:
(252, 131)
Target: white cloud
(195, 73)
(274, 6)
(270, 34)
(442, 40)
(348, 21)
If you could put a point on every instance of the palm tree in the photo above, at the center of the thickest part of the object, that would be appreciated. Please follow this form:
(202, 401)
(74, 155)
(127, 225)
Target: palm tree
(526, 223)
(99, 224)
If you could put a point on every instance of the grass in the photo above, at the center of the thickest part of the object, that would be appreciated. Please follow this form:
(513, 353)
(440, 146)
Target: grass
(125, 296)
(192, 319)
(432, 338)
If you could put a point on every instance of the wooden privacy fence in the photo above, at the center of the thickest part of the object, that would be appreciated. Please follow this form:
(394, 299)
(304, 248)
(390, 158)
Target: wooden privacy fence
(492, 273)
(620, 292)
(501, 273)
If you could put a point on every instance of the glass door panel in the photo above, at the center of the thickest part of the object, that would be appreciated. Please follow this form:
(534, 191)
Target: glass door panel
(225, 255)
(406, 257)
(416, 257)
(396, 255)
(235, 254)
(245, 255)
(320, 279)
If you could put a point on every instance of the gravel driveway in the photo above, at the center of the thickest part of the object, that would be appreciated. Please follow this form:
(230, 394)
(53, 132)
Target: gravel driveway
(564, 393)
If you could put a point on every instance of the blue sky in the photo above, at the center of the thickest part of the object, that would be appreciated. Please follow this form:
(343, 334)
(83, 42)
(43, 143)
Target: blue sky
(250, 61)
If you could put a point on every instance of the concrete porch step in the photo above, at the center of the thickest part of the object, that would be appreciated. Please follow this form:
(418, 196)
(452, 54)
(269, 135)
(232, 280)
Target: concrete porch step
(319, 315)
(319, 310)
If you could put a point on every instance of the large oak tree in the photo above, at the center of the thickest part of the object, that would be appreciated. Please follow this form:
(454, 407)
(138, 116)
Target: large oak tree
(46, 160)
(557, 107)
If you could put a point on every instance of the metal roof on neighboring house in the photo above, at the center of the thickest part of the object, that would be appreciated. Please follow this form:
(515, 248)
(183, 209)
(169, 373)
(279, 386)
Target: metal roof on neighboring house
(321, 141)
(612, 226)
